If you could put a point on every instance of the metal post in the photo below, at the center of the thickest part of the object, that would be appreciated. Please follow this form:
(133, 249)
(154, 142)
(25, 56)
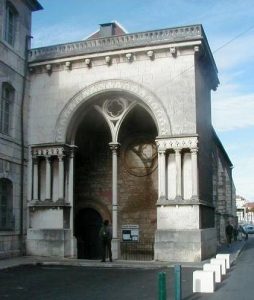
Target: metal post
(178, 288)
(162, 295)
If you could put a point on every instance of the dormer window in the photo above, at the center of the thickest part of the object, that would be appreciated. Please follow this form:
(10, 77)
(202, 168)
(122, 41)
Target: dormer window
(10, 23)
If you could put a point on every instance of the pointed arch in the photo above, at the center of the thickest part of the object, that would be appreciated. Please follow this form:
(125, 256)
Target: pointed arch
(154, 104)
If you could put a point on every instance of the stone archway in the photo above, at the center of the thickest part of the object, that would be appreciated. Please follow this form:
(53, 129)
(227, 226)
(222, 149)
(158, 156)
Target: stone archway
(144, 95)
(87, 225)
(135, 178)
(82, 119)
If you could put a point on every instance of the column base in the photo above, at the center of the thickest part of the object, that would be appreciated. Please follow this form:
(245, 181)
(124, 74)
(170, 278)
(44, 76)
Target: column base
(185, 245)
(51, 242)
(115, 245)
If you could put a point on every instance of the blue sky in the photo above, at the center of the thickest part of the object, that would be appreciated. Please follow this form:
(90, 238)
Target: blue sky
(229, 26)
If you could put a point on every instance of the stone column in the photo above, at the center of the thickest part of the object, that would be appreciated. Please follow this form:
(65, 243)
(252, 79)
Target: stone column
(73, 241)
(70, 177)
(194, 166)
(48, 177)
(61, 177)
(162, 174)
(115, 241)
(35, 179)
(178, 174)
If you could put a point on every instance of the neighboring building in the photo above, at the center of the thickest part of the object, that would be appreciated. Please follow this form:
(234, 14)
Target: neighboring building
(249, 218)
(15, 27)
(245, 210)
(119, 128)
(241, 209)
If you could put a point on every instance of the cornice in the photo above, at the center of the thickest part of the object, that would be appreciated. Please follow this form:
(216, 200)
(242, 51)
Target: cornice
(139, 39)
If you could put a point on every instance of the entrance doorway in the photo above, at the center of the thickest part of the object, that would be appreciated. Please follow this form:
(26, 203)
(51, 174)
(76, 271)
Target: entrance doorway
(87, 227)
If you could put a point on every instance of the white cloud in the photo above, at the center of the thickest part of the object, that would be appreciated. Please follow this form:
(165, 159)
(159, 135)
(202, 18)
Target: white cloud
(233, 112)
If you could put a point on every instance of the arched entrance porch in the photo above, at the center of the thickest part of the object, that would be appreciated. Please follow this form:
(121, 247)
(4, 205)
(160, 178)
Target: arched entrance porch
(115, 165)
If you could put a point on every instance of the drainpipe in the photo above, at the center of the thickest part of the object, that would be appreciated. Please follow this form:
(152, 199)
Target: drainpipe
(22, 166)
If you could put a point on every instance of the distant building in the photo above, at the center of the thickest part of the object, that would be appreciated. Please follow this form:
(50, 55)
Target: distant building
(245, 210)
(119, 128)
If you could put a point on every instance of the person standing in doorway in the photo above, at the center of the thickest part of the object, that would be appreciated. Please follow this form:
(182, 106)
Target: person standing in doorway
(105, 235)
(229, 233)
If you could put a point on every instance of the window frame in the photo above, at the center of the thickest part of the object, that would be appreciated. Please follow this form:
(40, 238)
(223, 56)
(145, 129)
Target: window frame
(6, 105)
(11, 15)
(6, 208)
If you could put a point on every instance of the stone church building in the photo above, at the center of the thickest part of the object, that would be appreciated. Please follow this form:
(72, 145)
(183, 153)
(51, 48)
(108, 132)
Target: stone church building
(118, 127)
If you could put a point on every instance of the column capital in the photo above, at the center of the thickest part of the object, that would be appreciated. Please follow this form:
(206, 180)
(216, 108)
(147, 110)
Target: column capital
(177, 150)
(60, 157)
(114, 146)
(35, 159)
(48, 158)
(161, 151)
(194, 150)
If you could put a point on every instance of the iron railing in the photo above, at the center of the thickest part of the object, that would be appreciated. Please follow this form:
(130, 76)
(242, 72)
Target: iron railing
(142, 251)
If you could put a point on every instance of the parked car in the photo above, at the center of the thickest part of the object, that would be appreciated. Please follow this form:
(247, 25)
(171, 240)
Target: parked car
(249, 228)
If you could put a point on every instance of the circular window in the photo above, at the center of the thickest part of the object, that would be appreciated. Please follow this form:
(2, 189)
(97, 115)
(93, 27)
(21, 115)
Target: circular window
(140, 156)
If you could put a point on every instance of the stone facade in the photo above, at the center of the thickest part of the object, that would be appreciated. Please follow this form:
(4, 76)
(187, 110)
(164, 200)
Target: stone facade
(119, 128)
(224, 194)
(15, 26)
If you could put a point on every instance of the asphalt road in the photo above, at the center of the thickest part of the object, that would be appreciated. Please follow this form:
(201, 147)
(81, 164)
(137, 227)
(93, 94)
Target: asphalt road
(65, 282)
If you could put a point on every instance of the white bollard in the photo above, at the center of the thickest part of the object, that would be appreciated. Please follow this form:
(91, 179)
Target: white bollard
(227, 257)
(203, 281)
(222, 262)
(215, 268)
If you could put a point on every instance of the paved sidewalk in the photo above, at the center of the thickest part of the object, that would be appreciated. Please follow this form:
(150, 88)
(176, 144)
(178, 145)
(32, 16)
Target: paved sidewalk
(234, 249)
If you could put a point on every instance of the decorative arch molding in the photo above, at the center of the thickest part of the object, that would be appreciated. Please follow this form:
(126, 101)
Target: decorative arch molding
(127, 86)
(97, 205)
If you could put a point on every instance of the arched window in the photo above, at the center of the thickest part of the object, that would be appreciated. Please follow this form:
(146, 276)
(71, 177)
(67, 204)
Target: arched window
(7, 99)
(6, 213)
(10, 23)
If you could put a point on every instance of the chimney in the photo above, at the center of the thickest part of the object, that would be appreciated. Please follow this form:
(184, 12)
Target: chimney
(107, 29)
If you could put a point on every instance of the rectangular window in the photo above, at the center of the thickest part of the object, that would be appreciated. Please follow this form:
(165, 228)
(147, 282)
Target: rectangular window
(10, 19)
(6, 213)
(5, 109)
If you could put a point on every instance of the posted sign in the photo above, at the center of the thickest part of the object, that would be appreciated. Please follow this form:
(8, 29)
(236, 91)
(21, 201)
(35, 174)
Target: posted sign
(130, 233)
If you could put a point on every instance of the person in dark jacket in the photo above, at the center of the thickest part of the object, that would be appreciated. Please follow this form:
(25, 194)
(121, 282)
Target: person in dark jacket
(105, 235)
(229, 233)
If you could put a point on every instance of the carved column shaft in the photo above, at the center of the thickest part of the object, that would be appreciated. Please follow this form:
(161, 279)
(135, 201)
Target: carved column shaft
(162, 174)
(178, 174)
(114, 147)
(35, 179)
(194, 164)
(61, 177)
(70, 177)
(48, 177)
